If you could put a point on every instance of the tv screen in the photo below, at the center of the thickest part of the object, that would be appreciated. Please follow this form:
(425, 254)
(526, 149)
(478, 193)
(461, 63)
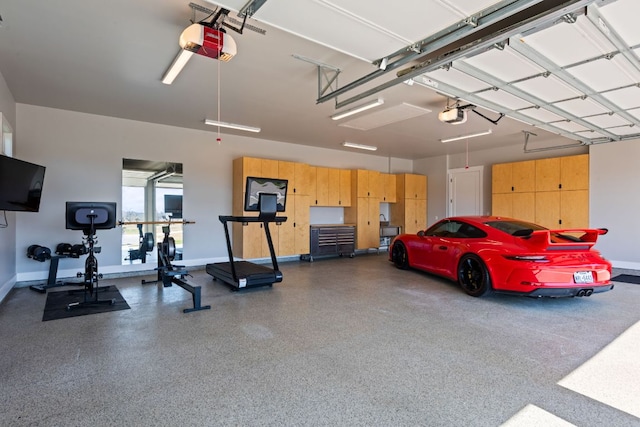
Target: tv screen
(255, 186)
(78, 215)
(173, 205)
(20, 185)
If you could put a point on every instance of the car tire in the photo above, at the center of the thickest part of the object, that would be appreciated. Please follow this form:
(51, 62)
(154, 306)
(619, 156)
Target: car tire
(473, 276)
(399, 256)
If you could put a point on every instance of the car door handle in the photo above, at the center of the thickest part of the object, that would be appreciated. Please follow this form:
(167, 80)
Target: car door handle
(442, 248)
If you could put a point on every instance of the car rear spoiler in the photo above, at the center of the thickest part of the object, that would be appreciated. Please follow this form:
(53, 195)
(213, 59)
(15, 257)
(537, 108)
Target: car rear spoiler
(580, 238)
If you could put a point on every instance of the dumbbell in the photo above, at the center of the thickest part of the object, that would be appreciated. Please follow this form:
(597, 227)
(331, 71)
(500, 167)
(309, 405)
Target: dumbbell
(39, 253)
(77, 250)
(63, 248)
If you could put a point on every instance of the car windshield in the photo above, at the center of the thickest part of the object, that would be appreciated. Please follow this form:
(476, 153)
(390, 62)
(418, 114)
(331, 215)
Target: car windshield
(514, 227)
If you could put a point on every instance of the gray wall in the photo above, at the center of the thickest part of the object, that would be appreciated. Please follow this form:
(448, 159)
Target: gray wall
(615, 200)
(83, 154)
(7, 235)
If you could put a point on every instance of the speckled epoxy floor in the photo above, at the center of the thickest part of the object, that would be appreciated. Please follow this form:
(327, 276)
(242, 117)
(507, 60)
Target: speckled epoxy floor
(338, 342)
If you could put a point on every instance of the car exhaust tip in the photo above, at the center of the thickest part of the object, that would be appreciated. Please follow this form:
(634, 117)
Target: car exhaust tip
(580, 293)
(588, 292)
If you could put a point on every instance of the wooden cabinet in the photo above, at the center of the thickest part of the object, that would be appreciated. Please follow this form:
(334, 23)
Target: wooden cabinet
(410, 209)
(513, 177)
(365, 208)
(249, 241)
(292, 236)
(555, 196)
(330, 186)
(387, 188)
(562, 192)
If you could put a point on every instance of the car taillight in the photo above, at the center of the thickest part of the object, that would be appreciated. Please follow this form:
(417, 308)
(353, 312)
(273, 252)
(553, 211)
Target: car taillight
(531, 258)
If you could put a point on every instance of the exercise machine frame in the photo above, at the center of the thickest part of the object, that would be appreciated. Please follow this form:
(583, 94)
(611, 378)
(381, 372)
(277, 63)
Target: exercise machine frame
(169, 274)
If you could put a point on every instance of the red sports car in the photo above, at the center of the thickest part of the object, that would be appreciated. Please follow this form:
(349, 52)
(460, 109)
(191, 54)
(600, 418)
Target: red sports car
(487, 254)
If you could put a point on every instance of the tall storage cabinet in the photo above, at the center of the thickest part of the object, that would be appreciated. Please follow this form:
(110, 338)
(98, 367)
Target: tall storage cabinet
(365, 208)
(292, 236)
(410, 209)
(562, 192)
(552, 192)
(513, 190)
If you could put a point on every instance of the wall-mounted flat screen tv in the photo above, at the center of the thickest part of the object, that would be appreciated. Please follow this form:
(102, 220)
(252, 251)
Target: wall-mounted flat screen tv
(20, 185)
(255, 186)
(173, 205)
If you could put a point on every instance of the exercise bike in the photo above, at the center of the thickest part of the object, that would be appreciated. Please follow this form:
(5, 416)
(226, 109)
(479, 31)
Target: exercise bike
(90, 217)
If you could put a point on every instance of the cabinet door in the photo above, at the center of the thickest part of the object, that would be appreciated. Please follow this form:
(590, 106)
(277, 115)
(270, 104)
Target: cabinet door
(333, 187)
(501, 178)
(523, 176)
(421, 214)
(548, 174)
(303, 179)
(574, 172)
(269, 168)
(322, 186)
(373, 184)
(286, 230)
(501, 205)
(313, 186)
(301, 225)
(523, 206)
(345, 187)
(410, 216)
(287, 170)
(388, 187)
(574, 209)
(373, 233)
(548, 209)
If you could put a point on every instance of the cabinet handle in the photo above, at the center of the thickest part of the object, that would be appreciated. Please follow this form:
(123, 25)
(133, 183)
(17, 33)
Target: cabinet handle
(513, 188)
(339, 202)
(316, 202)
(294, 225)
(560, 186)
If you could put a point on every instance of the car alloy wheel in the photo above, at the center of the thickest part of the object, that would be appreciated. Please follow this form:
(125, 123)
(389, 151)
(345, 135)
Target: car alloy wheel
(399, 255)
(473, 276)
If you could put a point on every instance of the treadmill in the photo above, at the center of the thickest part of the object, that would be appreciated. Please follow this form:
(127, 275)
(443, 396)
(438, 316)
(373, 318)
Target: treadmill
(244, 274)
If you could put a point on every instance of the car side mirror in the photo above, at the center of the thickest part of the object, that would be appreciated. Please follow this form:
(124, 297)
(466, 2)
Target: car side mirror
(421, 233)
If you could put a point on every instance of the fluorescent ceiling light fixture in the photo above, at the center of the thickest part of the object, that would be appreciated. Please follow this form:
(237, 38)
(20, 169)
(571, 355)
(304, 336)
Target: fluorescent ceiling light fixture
(231, 125)
(471, 135)
(178, 64)
(356, 110)
(359, 146)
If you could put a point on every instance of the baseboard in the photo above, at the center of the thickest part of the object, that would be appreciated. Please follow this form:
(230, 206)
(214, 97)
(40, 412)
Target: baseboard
(626, 265)
(7, 286)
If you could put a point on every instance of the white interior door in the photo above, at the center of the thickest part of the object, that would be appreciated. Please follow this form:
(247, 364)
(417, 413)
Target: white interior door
(465, 191)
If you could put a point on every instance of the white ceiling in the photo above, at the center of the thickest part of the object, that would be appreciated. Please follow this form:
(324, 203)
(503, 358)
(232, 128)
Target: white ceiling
(578, 79)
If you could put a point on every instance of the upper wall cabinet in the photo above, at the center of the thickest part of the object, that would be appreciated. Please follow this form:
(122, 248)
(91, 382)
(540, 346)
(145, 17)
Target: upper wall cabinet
(563, 173)
(388, 188)
(513, 177)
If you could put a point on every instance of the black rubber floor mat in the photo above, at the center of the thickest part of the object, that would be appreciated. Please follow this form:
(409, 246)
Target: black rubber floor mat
(57, 303)
(627, 278)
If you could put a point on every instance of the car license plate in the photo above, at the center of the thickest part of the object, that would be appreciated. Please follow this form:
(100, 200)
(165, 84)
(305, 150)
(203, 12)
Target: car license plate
(583, 277)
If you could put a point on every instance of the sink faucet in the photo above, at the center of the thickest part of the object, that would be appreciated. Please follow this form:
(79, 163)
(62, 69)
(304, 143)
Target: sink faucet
(383, 217)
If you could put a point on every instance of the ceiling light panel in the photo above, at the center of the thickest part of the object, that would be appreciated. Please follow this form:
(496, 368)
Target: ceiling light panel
(626, 98)
(607, 120)
(458, 80)
(563, 44)
(505, 99)
(549, 89)
(635, 113)
(581, 107)
(603, 74)
(384, 117)
(505, 64)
